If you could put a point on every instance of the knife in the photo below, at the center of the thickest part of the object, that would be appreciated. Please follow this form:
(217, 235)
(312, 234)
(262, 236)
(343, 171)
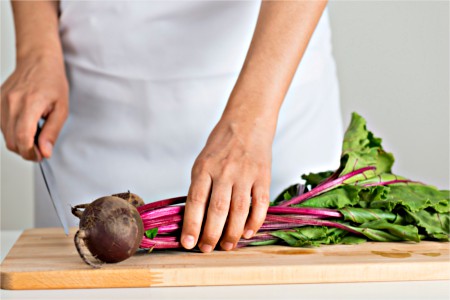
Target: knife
(50, 183)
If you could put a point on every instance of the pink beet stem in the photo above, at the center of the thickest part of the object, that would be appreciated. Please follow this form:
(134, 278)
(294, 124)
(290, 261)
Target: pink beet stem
(161, 203)
(320, 212)
(313, 222)
(277, 226)
(155, 243)
(161, 212)
(390, 182)
(166, 228)
(324, 187)
(162, 221)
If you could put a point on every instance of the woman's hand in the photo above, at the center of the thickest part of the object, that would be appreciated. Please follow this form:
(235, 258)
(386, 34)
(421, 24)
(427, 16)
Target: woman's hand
(37, 88)
(234, 167)
(232, 170)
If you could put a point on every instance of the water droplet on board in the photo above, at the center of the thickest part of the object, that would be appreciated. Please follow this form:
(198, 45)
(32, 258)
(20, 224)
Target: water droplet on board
(430, 254)
(392, 254)
(290, 252)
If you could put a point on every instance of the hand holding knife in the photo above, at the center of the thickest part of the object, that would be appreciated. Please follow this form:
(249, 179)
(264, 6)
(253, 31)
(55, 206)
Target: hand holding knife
(50, 183)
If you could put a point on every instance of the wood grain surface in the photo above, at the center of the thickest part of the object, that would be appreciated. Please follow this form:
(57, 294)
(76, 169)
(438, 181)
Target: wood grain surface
(44, 258)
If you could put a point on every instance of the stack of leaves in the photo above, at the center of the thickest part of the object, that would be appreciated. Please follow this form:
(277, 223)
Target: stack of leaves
(362, 200)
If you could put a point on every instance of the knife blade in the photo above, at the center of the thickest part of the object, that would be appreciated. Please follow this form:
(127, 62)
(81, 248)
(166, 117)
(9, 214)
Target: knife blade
(50, 184)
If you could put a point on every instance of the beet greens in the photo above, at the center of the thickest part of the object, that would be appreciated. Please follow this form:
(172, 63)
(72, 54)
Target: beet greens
(361, 200)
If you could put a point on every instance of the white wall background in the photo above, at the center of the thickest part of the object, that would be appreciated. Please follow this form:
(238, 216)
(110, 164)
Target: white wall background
(16, 182)
(393, 64)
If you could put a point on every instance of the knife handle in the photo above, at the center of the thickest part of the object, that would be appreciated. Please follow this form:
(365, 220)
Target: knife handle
(38, 132)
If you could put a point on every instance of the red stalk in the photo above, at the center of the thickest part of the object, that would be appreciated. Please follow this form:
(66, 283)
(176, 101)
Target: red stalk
(323, 187)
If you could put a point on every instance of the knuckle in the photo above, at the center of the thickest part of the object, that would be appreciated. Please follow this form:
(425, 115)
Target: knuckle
(232, 234)
(210, 238)
(201, 166)
(240, 204)
(196, 199)
(219, 206)
(197, 196)
(262, 199)
(232, 237)
(12, 96)
(228, 167)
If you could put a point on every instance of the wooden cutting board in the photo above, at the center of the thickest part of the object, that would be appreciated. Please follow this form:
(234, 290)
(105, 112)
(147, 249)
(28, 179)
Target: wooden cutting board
(46, 259)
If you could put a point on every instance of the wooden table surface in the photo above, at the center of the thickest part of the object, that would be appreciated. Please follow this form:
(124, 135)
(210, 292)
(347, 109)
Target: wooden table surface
(46, 259)
(330, 291)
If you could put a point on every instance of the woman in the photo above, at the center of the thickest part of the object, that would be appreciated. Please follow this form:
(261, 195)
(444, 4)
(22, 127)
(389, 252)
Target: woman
(150, 81)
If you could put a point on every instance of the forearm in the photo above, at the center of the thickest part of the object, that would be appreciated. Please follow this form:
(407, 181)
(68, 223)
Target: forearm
(36, 24)
(281, 36)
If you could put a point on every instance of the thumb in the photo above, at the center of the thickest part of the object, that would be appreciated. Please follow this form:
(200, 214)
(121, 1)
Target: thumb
(50, 130)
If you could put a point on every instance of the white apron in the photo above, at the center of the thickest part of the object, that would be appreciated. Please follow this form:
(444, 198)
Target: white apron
(148, 82)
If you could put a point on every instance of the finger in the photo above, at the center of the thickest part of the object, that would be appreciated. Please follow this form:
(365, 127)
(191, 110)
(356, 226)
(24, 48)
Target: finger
(10, 112)
(260, 204)
(25, 130)
(217, 215)
(194, 211)
(51, 129)
(3, 110)
(239, 208)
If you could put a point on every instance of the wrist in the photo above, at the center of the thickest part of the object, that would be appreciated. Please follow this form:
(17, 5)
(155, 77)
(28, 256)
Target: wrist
(39, 55)
(38, 52)
(252, 110)
(248, 122)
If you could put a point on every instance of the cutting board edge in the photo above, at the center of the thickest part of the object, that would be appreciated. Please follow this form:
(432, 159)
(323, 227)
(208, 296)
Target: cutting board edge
(220, 276)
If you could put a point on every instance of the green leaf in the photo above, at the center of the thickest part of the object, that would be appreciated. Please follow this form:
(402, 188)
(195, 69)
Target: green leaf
(314, 179)
(403, 232)
(374, 193)
(377, 235)
(151, 233)
(311, 236)
(361, 148)
(384, 177)
(363, 215)
(263, 243)
(436, 225)
(414, 197)
(286, 237)
(352, 240)
(383, 212)
(337, 198)
(286, 194)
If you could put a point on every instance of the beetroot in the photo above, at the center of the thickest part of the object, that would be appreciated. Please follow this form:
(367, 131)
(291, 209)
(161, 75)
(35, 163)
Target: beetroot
(110, 228)
(132, 198)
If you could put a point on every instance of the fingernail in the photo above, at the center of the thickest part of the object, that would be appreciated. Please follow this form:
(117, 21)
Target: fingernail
(227, 246)
(188, 241)
(206, 248)
(248, 234)
(48, 147)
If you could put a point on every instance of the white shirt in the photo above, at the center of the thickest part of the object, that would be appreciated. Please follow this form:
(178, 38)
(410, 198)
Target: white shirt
(148, 82)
